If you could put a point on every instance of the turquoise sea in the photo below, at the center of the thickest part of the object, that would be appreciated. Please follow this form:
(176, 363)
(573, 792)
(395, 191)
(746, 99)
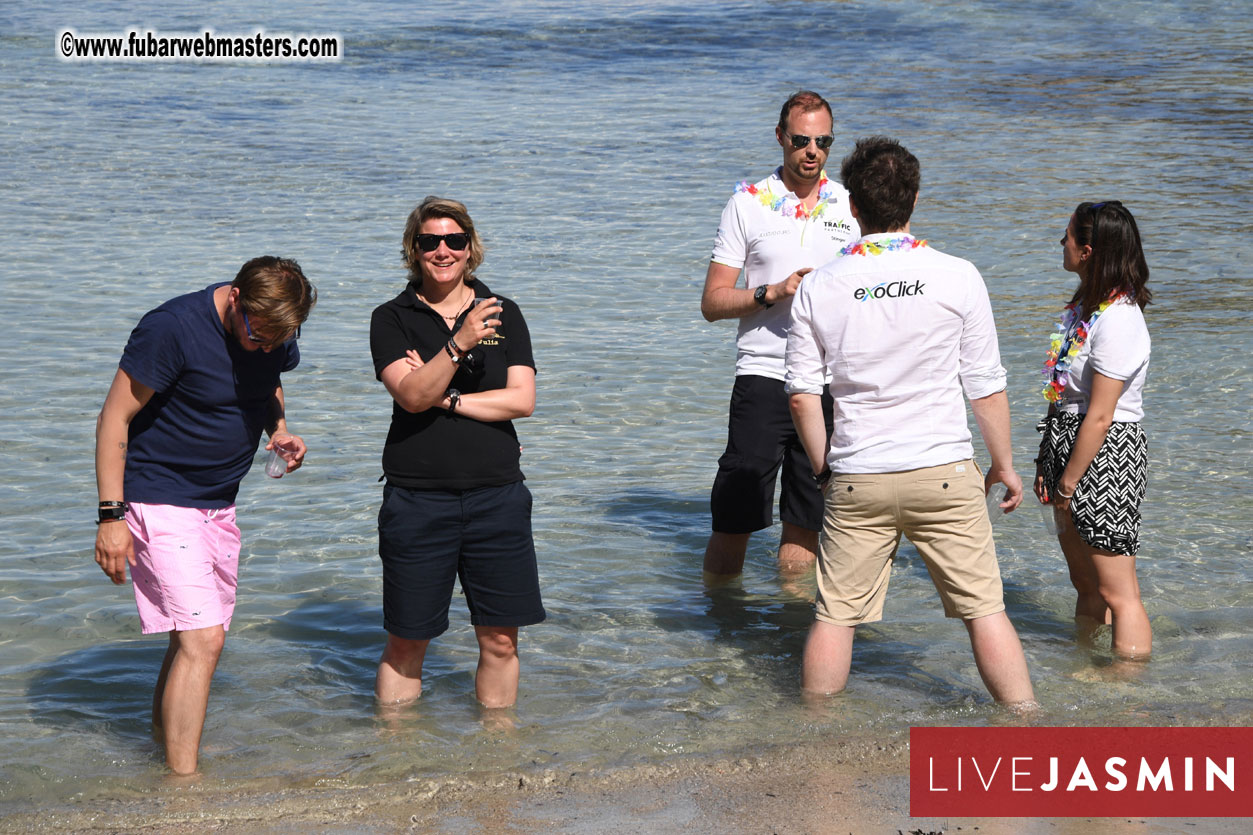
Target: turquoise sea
(595, 145)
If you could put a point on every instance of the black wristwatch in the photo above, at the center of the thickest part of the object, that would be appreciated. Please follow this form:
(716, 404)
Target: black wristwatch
(821, 479)
(759, 296)
(454, 397)
(111, 512)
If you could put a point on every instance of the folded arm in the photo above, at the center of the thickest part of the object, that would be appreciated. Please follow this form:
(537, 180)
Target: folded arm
(515, 400)
(417, 385)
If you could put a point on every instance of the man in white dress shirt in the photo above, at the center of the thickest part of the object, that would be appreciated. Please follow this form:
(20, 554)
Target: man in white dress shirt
(902, 330)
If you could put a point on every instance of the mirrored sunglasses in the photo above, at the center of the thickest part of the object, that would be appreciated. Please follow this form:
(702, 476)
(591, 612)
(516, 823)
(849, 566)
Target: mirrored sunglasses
(801, 141)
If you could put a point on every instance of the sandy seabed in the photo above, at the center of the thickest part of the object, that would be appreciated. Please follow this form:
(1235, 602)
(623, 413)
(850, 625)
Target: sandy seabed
(853, 787)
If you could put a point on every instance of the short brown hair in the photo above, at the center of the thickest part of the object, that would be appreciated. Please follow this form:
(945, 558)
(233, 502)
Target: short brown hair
(275, 291)
(808, 101)
(432, 206)
(882, 179)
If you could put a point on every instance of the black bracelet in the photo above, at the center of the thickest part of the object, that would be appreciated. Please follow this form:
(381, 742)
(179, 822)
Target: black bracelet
(111, 512)
(451, 349)
(821, 479)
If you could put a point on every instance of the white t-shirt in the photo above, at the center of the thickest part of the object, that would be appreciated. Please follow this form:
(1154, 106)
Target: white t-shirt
(768, 247)
(901, 334)
(1118, 346)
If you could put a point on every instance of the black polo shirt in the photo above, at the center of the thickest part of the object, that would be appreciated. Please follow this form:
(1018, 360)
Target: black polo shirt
(435, 449)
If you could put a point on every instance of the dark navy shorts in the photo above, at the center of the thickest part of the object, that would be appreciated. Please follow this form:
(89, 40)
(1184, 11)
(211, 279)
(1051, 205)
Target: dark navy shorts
(760, 438)
(429, 538)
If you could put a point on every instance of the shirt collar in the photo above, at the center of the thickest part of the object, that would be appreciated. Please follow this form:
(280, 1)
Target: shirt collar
(875, 237)
(776, 176)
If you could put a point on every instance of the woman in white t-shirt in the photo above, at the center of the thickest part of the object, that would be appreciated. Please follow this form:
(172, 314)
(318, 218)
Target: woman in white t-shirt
(1094, 458)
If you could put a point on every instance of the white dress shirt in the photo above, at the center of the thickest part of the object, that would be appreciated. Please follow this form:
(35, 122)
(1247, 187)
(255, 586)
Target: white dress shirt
(901, 335)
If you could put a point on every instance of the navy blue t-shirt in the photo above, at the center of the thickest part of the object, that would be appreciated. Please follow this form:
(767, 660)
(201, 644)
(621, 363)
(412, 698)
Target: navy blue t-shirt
(194, 441)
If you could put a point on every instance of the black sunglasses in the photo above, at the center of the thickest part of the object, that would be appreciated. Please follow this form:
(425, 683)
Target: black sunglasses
(799, 141)
(456, 241)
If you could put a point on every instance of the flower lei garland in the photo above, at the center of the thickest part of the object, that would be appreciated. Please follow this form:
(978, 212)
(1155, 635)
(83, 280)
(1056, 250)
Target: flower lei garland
(779, 204)
(1065, 346)
(880, 247)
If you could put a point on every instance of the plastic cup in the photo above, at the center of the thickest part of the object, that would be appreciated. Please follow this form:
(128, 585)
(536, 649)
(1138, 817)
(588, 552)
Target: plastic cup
(995, 496)
(276, 464)
(478, 300)
(1050, 521)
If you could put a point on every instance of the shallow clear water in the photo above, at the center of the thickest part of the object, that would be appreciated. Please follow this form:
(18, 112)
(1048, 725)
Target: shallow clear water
(595, 149)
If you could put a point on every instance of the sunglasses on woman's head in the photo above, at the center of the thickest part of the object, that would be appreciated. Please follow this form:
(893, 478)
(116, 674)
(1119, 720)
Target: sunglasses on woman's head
(455, 241)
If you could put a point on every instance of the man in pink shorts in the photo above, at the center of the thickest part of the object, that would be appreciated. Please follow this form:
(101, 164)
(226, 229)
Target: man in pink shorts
(198, 382)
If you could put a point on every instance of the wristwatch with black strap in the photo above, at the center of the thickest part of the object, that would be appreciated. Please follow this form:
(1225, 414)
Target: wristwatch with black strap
(759, 296)
(111, 512)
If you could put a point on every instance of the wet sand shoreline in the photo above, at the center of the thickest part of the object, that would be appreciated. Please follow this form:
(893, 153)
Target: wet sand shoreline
(850, 786)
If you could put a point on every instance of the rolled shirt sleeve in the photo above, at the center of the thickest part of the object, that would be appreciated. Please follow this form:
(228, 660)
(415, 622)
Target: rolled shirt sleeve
(979, 357)
(804, 361)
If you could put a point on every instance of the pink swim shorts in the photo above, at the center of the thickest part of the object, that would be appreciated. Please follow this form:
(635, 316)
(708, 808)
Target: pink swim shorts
(186, 566)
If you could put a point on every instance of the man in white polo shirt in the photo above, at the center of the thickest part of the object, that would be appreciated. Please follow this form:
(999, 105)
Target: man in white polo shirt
(774, 232)
(901, 330)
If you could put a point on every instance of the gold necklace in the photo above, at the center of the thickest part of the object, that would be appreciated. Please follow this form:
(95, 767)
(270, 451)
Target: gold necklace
(460, 308)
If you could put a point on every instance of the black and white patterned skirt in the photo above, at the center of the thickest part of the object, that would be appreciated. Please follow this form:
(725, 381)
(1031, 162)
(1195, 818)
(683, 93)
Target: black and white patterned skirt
(1106, 506)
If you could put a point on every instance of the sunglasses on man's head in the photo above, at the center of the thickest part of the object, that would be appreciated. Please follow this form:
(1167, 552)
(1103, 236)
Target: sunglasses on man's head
(456, 241)
(800, 141)
(257, 340)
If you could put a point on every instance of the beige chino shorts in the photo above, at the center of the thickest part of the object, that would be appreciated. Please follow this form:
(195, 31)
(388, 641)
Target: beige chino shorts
(942, 511)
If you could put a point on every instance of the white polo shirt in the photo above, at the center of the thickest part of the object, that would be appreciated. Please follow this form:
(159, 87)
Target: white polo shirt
(901, 334)
(768, 244)
(1118, 346)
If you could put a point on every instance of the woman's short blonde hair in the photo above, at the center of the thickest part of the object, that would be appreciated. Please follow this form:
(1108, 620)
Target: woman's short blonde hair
(430, 207)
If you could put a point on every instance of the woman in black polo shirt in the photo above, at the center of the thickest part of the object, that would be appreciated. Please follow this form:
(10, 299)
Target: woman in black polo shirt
(457, 363)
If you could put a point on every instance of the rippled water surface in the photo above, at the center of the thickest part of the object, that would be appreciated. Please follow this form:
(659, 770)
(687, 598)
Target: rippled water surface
(595, 148)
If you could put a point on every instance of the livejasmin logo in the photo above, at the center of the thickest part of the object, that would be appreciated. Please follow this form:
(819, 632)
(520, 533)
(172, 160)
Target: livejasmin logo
(1021, 775)
(1081, 772)
(886, 290)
